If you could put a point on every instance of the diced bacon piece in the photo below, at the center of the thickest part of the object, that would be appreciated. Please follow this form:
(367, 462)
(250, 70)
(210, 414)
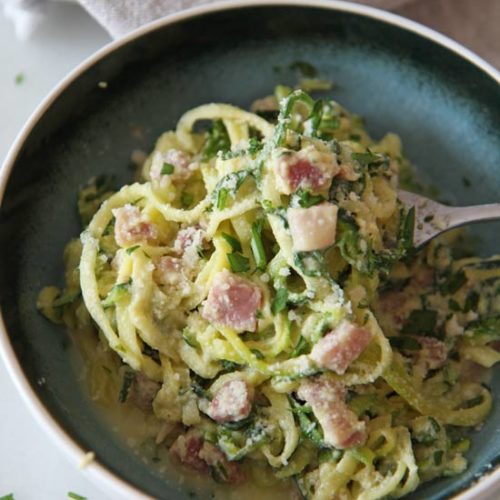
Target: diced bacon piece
(308, 169)
(168, 270)
(193, 451)
(423, 278)
(233, 301)
(339, 348)
(186, 449)
(392, 304)
(143, 391)
(188, 237)
(222, 469)
(181, 161)
(433, 353)
(232, 402)
(313, 228)
(341, 427)
(131, 227)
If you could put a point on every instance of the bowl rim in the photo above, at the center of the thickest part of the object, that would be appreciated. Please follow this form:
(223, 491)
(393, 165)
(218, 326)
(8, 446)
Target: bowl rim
(108, 481)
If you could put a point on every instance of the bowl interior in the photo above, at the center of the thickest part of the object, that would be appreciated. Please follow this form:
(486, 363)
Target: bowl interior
(446, 110)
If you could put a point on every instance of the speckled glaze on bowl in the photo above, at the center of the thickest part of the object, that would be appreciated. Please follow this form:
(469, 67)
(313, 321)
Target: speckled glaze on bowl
(441, 99)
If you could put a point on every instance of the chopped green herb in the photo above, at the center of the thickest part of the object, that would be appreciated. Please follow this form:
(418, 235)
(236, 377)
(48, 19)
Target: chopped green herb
(454, 305)
(329, 455)
(471, 301)
(197, 387)
(453, 283)
(473, 402)
(19, 79)
(355, 250)
(257, 353)
(304, 68)
(233, 242)
(128, 378)
(371, 160)
(300, 348)
(217, 140)
(239, 263)
(131, 250)
(186, 199)
(279, 302)
(258, 250)
(305, 199)
(75, 496)
(229, 366)
(428, 218)
(221, 198)
(407, 229)
(421, 321)
(10, 496)
(110, 227)
(405, 343)
(190, 338)
(167, 169)
(308, 424)
(438, 457)
(489, 326)
(219, 473)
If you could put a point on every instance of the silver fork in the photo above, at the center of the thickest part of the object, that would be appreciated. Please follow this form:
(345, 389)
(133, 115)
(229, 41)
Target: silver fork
(433, 218)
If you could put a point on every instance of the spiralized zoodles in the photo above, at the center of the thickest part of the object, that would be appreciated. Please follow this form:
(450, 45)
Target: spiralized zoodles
(257, 296)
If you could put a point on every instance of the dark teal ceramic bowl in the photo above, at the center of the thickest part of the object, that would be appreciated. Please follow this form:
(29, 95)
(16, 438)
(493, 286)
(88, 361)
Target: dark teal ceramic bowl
(442, 100)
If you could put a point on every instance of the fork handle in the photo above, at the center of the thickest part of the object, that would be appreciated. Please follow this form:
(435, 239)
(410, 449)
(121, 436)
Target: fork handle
(459, 216)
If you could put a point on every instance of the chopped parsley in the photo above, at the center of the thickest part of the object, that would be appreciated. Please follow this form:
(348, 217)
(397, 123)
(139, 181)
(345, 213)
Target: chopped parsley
(186, 199)
(233, 242)
(217, 140)
(304, 68)
(405, 343)
(300, 348)
(128, 379)
(75, 496)
(131, 250)
(167, 169)
(279, 302)
(258, 250)
(438, 457)
(305, 199)
(421, 321)
(221, 198)
(19, 79)
(238, 262)
(453, 283)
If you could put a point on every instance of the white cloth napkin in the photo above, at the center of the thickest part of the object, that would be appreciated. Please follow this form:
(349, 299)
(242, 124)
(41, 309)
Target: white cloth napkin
(119, 17)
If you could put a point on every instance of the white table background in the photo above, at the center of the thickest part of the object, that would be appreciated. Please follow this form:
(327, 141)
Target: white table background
(31, 467)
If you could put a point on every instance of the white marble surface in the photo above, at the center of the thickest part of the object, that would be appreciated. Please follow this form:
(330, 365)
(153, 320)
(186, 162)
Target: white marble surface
(31, 467)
